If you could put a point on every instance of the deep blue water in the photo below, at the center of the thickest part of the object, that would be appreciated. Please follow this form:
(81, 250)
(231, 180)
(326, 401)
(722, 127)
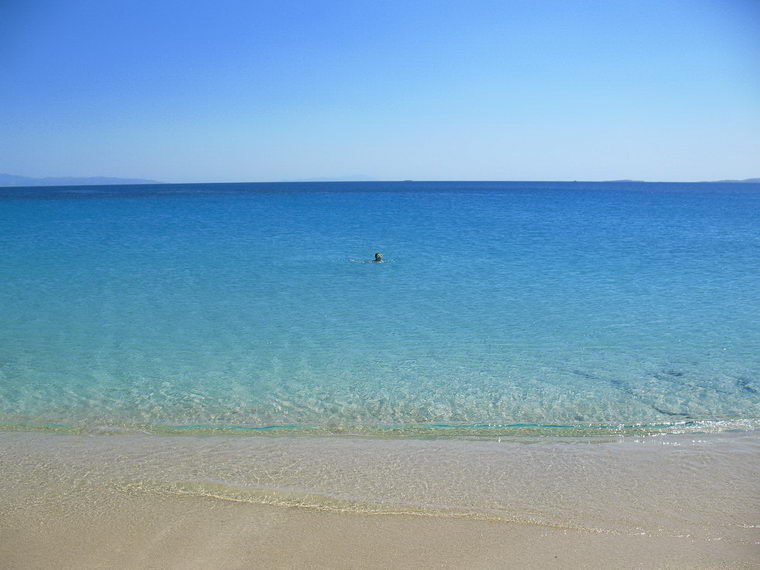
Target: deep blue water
(250, 305)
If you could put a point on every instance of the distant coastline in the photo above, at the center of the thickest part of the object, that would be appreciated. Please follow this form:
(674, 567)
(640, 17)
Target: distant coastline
(746, 180)
(12, 180)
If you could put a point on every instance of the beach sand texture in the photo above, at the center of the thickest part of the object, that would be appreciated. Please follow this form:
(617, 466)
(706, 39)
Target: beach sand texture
(111, 502)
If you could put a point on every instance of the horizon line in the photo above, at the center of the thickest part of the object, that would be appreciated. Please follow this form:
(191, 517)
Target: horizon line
(139, 182)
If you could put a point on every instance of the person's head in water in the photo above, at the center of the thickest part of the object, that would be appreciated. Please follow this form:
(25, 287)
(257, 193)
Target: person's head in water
(378, 257)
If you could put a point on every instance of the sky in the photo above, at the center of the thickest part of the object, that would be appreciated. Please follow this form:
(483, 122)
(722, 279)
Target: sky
(223, 91)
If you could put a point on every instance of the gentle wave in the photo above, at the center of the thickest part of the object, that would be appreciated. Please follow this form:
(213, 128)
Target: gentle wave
(324, 503)
(431, 431)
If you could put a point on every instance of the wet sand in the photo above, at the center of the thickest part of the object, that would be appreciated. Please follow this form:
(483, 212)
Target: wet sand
(58, 509)
(175, 532)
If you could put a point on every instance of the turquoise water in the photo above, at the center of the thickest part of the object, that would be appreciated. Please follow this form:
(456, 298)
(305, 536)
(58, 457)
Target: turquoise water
(500, 308)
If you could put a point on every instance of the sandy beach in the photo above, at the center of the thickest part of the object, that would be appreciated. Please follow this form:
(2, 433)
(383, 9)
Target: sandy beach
(99, 502)
(112, 531)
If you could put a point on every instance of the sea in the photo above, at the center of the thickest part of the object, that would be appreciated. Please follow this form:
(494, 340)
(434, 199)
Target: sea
(246, 328)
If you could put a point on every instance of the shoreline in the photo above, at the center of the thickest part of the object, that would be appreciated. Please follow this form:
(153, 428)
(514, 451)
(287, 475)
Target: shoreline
(436, 431)
(132, 501)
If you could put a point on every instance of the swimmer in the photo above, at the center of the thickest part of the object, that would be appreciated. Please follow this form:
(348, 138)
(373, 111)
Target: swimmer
(378, 259)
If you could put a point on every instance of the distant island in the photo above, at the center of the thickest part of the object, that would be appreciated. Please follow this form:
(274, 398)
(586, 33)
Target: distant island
(13, 180)
(746, 180)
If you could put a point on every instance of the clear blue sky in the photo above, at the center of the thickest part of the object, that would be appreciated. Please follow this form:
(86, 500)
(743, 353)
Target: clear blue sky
(185, 91)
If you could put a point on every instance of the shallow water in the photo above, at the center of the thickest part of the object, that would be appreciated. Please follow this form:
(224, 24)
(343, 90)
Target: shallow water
(501, 309)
